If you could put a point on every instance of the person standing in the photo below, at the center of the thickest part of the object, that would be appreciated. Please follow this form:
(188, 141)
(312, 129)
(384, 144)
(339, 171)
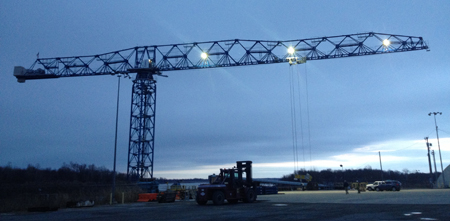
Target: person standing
(359, 188)
(346, 186)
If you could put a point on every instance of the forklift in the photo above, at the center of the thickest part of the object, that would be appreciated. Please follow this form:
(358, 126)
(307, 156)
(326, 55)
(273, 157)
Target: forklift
(233, 185)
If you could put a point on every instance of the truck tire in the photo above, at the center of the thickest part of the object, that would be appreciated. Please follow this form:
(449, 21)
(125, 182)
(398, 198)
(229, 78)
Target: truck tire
(162, 198)
(218, 197)
(201, 202)
(377, 189)
(250, 196)
(394, 189)
(233, 201)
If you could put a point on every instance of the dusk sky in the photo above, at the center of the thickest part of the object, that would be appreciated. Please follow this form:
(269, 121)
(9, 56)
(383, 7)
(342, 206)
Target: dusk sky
(211, 118)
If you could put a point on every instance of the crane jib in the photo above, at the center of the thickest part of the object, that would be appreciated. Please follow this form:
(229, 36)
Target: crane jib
(216, 54)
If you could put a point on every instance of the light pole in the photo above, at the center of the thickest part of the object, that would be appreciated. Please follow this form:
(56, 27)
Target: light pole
(439, 145)
(115, 143)
(434, 161)
(343, 177)
(381, 166)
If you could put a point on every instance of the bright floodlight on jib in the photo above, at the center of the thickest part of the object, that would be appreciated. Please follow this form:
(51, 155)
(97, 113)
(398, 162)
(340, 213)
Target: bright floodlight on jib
(386, 42)
(291, 50)
(204, 55)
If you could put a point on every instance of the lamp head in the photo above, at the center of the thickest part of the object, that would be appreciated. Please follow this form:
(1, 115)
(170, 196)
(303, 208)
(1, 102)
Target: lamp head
(291, 50)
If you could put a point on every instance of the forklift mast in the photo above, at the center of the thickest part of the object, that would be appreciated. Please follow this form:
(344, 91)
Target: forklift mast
(245, 166)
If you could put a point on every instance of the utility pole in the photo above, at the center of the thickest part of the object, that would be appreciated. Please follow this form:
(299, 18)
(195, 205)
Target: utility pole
(429, 159)
(381, 166)
(435, 170)
(439, 145)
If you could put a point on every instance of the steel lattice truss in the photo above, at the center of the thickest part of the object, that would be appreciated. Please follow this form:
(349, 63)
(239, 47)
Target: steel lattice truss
(227, 53)
(142, 127)
(147, 61)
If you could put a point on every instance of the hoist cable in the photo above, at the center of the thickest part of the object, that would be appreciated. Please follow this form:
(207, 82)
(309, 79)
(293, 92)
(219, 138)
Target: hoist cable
(307, 112)
(293, 119)
(301, 115)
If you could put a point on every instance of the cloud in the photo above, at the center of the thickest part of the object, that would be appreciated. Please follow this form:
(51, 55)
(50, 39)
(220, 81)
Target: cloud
(402, 154)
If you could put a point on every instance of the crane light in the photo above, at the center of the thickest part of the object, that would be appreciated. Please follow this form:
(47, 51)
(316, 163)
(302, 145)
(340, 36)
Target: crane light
(386, 42)
(291, 50)
(204, 55)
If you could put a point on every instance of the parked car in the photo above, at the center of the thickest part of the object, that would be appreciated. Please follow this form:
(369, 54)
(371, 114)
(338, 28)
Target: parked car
(392, 185)
(373, 186)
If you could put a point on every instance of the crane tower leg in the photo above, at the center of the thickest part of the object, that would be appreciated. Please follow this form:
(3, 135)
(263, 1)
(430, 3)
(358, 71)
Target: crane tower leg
(142, 127)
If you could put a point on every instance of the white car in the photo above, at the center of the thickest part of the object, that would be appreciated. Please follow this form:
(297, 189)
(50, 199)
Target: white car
(373, 186)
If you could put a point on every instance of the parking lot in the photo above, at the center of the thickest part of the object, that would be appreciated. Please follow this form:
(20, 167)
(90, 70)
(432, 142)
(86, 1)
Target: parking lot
(298, 205)
(419, 196)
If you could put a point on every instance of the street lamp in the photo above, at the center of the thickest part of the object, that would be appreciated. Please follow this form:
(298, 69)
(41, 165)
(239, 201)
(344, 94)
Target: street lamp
(343, 177)
(439, 145)
(113, 199)
(381, 165)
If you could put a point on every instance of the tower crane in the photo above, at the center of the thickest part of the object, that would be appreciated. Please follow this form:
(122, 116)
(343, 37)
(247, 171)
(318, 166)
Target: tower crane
(146, 62)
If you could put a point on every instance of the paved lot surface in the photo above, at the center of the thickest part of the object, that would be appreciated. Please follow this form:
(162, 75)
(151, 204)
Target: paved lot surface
(422, 196)
(308, 205)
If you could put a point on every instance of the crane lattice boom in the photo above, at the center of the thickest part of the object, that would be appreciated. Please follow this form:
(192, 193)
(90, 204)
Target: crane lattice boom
(226, 53)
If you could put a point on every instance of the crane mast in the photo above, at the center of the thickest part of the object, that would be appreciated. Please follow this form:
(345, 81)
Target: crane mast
(149, 61)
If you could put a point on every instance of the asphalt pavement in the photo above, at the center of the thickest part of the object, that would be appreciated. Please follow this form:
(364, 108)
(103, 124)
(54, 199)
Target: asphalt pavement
(297, 205)
(416, 196)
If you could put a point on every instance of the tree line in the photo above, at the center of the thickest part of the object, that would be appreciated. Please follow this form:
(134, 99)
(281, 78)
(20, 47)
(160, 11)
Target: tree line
(91, 174)
(408, 179)
(68, 172)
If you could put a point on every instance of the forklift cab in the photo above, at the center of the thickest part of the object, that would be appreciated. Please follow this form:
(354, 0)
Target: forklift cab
(237, 176)
(228, 177)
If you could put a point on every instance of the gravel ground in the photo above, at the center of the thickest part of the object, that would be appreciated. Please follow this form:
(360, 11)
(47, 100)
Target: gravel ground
(307, 205)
